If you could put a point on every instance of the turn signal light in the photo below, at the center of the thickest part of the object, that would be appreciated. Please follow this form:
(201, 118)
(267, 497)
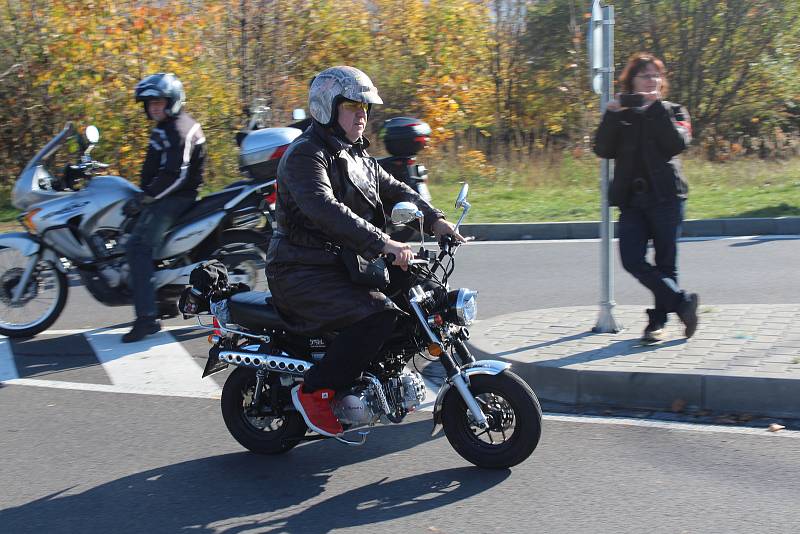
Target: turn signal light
(434, 350)
(27, 220)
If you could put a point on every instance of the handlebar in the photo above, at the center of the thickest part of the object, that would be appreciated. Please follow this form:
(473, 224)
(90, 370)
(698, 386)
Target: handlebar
(418, 259)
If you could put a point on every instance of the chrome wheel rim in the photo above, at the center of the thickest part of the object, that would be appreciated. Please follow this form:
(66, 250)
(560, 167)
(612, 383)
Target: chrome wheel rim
(500, 418)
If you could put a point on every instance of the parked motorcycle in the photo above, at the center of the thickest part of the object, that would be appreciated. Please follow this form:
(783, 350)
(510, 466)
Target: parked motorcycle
(490, 416)
(404, 138)
(261, 149)
(75, 222)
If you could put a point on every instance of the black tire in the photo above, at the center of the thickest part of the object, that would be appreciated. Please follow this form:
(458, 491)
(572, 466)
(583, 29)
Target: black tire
(53, 313)
(243, 251)
(236, 395)
(527, 421)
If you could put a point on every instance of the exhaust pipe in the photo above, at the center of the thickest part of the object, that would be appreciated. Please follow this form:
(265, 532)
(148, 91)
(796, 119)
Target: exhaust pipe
(268, 362)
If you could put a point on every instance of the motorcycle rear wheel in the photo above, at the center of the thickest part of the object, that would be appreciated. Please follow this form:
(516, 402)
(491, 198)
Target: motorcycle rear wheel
(262, 434)
(514, 416)
(47, 290)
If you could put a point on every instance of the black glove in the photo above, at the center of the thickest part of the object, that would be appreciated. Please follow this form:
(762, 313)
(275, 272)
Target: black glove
(133, 207)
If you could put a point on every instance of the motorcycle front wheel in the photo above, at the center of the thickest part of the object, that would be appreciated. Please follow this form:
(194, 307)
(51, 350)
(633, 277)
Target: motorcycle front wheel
(40, 303)
(512, 412)
(262, 429)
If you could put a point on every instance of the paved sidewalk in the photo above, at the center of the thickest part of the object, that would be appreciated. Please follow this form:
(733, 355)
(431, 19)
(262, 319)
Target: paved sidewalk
(743, 359)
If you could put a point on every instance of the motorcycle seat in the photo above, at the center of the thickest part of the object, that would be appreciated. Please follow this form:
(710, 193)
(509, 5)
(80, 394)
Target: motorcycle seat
(206, 205)
(254, 311)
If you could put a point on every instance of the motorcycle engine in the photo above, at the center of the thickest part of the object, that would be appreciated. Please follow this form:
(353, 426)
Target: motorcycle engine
(357, 406)
(408, 390)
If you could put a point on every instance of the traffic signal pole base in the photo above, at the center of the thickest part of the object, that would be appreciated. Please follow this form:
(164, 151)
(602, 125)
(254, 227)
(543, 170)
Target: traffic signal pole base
(606, 324)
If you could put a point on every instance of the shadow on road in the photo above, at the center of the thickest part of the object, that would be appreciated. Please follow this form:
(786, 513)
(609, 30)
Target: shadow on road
(758, 241)
(618, 348)
(241, 492)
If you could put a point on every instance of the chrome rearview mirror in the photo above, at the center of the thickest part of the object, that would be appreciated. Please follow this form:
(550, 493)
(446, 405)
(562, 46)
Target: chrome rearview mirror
(405, 212)
(461, 201)
(92, 134)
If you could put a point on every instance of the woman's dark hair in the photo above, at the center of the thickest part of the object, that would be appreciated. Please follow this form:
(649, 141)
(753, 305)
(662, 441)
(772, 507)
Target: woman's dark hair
(636, 64)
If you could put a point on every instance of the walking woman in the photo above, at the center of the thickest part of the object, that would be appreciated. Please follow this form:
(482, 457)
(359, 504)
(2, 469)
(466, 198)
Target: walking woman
(644, 134)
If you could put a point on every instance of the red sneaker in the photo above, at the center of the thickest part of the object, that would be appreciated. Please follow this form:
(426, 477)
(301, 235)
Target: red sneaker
(316, 410)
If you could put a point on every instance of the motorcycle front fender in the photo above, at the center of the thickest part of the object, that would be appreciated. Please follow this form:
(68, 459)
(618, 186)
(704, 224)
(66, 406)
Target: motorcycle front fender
(480, 367)
(28, 246)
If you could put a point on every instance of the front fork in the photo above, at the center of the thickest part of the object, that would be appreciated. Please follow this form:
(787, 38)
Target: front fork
(455, 376)
(19, 290)
(460, 380)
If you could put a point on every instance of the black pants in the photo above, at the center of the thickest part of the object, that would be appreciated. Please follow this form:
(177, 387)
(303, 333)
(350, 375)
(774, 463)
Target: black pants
(662, 224)
(350, 352)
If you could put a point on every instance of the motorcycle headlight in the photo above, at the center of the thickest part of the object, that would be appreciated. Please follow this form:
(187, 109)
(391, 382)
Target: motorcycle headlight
(462, 306)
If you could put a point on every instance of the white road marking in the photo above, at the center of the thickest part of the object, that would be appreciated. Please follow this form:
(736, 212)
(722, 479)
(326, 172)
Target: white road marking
(8, 369)
(121, 331)
(669, 425)
(158, 364)
(111, 388)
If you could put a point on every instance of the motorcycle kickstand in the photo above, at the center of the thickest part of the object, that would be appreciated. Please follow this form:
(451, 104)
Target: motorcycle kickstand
(362, 441)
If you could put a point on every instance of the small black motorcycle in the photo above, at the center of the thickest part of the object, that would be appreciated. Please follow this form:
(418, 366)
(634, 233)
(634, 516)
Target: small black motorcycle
(490, 416)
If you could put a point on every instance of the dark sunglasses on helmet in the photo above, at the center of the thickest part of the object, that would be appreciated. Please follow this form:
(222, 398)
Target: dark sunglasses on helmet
(354, 107)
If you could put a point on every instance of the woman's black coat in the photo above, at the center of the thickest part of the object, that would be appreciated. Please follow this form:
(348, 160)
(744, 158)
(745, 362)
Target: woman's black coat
(661, 131)
(330, 193)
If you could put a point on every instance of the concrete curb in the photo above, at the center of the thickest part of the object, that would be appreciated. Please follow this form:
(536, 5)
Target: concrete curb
(743, 359)
(591, 229)
(772, 397)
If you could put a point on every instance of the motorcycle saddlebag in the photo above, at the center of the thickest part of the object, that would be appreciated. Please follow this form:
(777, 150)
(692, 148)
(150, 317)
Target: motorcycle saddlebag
(405, 136)
(262, 150)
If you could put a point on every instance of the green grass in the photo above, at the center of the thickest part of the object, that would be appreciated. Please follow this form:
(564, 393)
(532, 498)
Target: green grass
(569, 190)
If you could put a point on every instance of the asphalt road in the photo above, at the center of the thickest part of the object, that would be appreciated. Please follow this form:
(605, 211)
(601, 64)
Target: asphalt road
(519, 276)
(100, 461)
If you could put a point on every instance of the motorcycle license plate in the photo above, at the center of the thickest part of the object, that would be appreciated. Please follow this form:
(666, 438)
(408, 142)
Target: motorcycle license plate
(213, 364)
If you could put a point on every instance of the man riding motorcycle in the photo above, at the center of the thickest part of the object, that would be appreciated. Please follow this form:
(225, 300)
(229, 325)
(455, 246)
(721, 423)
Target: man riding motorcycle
(171, 174)
(331, 197)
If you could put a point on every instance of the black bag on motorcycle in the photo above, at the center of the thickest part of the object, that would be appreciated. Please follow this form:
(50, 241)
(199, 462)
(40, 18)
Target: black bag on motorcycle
(365, 273)
(208, 282)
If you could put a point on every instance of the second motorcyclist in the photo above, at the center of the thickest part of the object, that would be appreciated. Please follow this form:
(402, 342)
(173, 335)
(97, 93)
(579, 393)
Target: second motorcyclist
(331, 199)
(171, 173)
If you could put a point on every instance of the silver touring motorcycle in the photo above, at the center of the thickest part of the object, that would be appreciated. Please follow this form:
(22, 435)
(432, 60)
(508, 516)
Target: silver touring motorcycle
(490, 416)
(83, 229)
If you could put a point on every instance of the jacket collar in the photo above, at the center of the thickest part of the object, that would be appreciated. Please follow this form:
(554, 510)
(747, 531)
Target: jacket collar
(337, 143)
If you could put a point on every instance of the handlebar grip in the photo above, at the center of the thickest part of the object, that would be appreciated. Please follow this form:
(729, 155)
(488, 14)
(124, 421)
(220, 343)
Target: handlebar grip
(390, 258)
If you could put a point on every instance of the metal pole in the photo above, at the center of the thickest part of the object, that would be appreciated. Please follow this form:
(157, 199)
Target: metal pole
(606, 322)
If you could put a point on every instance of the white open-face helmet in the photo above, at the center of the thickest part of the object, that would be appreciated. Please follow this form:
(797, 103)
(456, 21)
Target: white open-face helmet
(332, 85)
